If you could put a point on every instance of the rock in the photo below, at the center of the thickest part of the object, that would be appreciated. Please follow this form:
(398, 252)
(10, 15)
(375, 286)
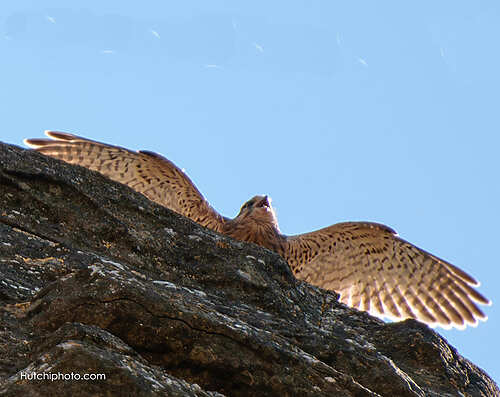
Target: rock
(96, 279)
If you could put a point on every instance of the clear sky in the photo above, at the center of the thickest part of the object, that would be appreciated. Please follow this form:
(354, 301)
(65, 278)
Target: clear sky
(363, 110)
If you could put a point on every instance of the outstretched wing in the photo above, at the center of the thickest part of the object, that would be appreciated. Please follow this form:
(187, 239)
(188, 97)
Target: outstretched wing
(146, 172)
(374, 270)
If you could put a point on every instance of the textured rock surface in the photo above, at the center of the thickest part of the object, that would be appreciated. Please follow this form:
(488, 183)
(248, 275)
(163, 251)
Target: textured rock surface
(97, 279)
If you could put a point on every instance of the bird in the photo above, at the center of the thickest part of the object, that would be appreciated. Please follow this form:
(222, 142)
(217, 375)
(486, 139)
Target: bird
(366, 263)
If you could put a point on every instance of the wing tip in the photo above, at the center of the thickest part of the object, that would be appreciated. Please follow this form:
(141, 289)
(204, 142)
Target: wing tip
(59, 135)
(433, 324)
(27, 142)
(483, 301)
(476, 296)
(37, 143)
(457, 272)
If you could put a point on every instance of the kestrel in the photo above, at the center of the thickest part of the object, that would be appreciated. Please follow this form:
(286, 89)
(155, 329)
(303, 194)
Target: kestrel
(368, 264)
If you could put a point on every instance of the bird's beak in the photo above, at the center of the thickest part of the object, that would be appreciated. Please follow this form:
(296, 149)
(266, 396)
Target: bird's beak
(265, 202)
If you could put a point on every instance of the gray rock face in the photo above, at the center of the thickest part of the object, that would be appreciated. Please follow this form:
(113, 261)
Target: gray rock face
(96, 279)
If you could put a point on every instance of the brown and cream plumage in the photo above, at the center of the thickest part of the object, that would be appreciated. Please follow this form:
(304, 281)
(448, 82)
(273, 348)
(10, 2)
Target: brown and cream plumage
(366, 263)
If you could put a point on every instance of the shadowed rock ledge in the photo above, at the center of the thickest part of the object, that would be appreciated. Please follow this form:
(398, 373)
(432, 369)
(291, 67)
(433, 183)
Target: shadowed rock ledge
(97, 279)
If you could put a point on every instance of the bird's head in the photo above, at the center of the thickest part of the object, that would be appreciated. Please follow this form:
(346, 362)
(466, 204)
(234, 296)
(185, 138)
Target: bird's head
(258, 209)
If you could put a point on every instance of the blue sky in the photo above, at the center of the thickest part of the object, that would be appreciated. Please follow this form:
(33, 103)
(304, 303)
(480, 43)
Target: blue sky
(360, 110)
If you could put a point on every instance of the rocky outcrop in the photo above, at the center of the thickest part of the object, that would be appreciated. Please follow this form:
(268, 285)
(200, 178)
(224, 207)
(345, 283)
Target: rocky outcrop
(96, 279)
